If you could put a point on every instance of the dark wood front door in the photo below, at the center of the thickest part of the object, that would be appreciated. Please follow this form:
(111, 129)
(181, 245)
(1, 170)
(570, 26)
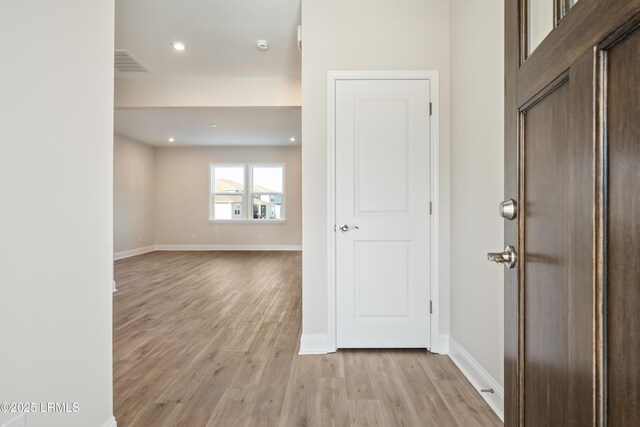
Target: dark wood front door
(572, 145)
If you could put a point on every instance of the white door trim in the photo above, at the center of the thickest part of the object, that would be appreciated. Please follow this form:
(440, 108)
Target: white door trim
(332, 78)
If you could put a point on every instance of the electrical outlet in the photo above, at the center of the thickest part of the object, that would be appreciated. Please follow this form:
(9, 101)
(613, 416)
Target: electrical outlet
(259, 236)
(194, 236)
(139, 238)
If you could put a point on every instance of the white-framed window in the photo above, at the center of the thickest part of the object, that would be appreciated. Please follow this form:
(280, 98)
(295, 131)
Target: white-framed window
(247, 192)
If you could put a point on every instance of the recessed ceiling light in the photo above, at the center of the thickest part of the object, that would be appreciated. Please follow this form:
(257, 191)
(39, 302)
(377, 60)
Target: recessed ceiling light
(179, 46)
(171, 140)
(292, 139)
(262, 44)
(213, 125)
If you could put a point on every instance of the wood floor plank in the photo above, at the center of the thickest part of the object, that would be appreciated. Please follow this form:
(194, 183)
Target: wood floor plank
(211, 339)
(155, 414)
(422, 389)
(331, 366)
(397, 404)
(301, 406)
(234, 408)
(358, 375)
(271, 391)
(254, 362)
(463, 401)
(334, 405)
(365, 413)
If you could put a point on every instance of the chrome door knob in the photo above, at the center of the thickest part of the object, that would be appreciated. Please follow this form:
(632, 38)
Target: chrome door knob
(508, 257)
(344, 228)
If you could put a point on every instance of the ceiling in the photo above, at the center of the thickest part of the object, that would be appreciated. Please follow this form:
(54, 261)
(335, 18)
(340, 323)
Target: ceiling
(220, 35)
(190, 126)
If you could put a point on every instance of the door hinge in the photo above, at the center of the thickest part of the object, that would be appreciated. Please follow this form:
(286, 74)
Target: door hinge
(430, 307)
(430, 109)
(430, 208)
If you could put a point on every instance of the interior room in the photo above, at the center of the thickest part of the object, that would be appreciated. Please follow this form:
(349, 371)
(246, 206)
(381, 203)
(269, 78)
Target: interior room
(249, 158)
(185, 126)
(320, 213)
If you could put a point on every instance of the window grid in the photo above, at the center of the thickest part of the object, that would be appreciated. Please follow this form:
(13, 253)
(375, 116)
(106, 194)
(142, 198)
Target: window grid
(271, 210)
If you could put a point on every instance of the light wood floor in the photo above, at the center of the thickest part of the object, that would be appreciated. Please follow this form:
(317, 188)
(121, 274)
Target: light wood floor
(211, 339)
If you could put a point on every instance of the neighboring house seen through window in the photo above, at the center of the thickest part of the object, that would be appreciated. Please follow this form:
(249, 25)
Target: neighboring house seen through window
(247, 192)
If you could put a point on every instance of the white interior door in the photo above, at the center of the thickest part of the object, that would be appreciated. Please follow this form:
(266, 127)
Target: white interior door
(382, 205)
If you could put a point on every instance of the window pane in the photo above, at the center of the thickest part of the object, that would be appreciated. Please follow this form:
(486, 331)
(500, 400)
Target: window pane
(267, 179)
(267, 206)
(229, 179)
(540, 17)
(227, 206)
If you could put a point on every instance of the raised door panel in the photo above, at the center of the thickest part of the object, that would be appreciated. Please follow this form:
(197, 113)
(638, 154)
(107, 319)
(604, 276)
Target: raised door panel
(623, 232)
(382, 279)
(381, 150)
(557, 257)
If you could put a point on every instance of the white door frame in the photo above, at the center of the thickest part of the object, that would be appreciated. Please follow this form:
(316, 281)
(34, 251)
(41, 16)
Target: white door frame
(332, 78)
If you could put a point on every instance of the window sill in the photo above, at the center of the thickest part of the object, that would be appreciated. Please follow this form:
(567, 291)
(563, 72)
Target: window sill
(247, 221)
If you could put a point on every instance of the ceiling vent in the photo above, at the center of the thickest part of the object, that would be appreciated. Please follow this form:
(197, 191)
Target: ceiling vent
(126, 63)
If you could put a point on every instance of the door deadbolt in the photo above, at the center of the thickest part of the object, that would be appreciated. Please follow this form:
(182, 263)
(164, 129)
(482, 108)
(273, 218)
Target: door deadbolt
(508, 209)
(508, 257)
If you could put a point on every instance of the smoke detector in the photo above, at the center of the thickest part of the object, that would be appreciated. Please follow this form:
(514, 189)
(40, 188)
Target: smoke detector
(262, 44)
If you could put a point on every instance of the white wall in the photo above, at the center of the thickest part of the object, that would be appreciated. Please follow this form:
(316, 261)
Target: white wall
(148, 91)
(477, 128)
(361, 34)
(56, 116)
(182, 197)
(133, 194)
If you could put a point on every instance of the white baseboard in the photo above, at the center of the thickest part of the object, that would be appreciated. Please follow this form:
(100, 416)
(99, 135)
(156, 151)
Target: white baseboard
(442, 345)
(478, 377)
(228, 248)
(314, 344)
(147, 249)
(110, 423)
(133, 252)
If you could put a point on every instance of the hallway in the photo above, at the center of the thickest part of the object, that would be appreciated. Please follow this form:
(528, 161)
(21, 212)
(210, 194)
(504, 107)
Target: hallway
(211, 338)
